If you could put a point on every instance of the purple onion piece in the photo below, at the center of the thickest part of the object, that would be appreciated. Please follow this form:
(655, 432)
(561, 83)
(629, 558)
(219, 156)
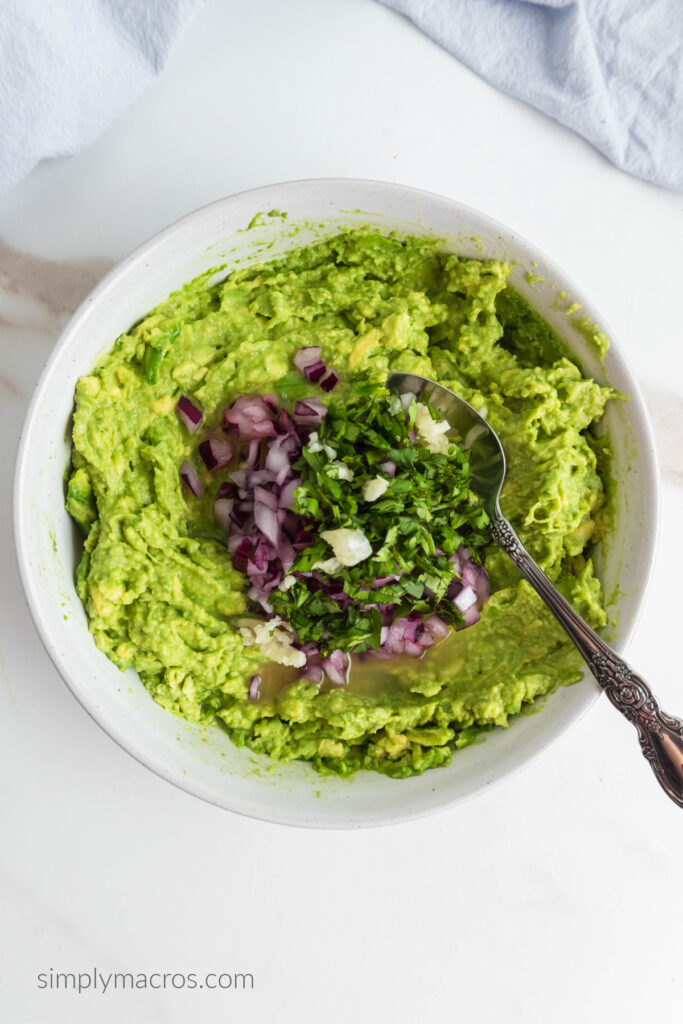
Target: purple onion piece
(241, 554)
(436, 626)
(470, 616)
(465, 599)
(188, 413)
(222, 509)
(329, 381)
(282, 477)
(286, 425)
(227, 489)
(215, 453)
(382, 581)
(265, 498)
(239, 516)
(254, 688)
(463, 554)
(309, 412)
(259, 477)
(315, 372)
(188, 475)
(336, 668)
(288, 491)
(263, 536)
(253, 454)
(313, 674)
(306, 356)
(249, 418)
(266, 521)
(277, 458)
(476, 577)
(388, 467)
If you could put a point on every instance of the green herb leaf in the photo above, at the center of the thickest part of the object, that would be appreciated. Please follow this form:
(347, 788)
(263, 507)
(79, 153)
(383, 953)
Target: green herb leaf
(414, 528)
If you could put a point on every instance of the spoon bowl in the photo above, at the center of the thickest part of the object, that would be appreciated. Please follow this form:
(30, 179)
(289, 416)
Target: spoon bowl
(660, 735)
(487, 458)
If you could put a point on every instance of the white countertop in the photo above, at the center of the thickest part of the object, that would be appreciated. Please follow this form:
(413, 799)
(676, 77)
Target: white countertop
(554, 898)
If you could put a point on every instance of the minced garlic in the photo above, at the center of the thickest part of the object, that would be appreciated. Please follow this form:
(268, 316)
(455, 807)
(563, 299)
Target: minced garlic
(375, 488)
(349, 546)
(274, 638)
(431, 432)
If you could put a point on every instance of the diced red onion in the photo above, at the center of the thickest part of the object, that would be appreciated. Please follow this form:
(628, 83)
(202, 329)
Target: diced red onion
(382, 581)
(239, 517)
(306, 356)
(388, 467)
(188, 474)
(311, 366)
(471, 615)
(282, 476)
(258, 598)
(465, 599)
(336, 668)
(288, 491)
(254, 688)
(286, 425)
(290, 444)
(259, 477)
(265, 497)
(277, 458)
(436, 626)
(222, 509)
(476, 577)
(227, 489)
(260, 554)
(463, 554)
(188, 413)
(303, 540)
(315, 372)
(215, 453)
(313, 674)
(240, 553)
(249, 418)
(266, 521)
(309, 413)
(329, 381)
(253, 454)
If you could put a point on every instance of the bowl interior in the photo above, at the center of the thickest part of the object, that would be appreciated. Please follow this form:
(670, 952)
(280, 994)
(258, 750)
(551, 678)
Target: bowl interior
(204, 761)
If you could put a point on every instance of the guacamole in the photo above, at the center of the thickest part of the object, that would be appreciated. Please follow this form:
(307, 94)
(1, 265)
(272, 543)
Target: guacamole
(156, 577)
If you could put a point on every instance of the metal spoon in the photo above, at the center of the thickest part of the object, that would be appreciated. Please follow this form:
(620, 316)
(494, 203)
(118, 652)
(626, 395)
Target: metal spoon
(660, 735)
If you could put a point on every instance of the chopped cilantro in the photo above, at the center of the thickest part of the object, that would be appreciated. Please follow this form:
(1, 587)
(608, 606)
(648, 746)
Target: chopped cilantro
(414, 528)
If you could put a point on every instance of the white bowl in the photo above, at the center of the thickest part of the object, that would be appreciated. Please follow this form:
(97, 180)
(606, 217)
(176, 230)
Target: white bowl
(204, 761)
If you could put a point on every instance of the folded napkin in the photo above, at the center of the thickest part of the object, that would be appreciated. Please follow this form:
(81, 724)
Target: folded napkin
(68, 67)
(610, 69)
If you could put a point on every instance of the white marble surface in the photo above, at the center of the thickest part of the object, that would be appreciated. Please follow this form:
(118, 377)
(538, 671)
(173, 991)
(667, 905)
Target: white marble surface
(555, 898)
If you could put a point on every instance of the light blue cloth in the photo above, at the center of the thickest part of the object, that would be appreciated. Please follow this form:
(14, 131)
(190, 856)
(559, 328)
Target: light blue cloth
(68, 67)
(610, 69)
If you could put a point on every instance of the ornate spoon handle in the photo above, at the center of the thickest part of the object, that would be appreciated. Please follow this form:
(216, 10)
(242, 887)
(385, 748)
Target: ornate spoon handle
(660, 735)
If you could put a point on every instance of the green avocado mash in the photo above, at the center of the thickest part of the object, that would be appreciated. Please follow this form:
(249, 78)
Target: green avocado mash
(156, 578)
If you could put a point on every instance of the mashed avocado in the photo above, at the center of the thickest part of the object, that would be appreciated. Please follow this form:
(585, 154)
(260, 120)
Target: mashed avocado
(156, 578)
